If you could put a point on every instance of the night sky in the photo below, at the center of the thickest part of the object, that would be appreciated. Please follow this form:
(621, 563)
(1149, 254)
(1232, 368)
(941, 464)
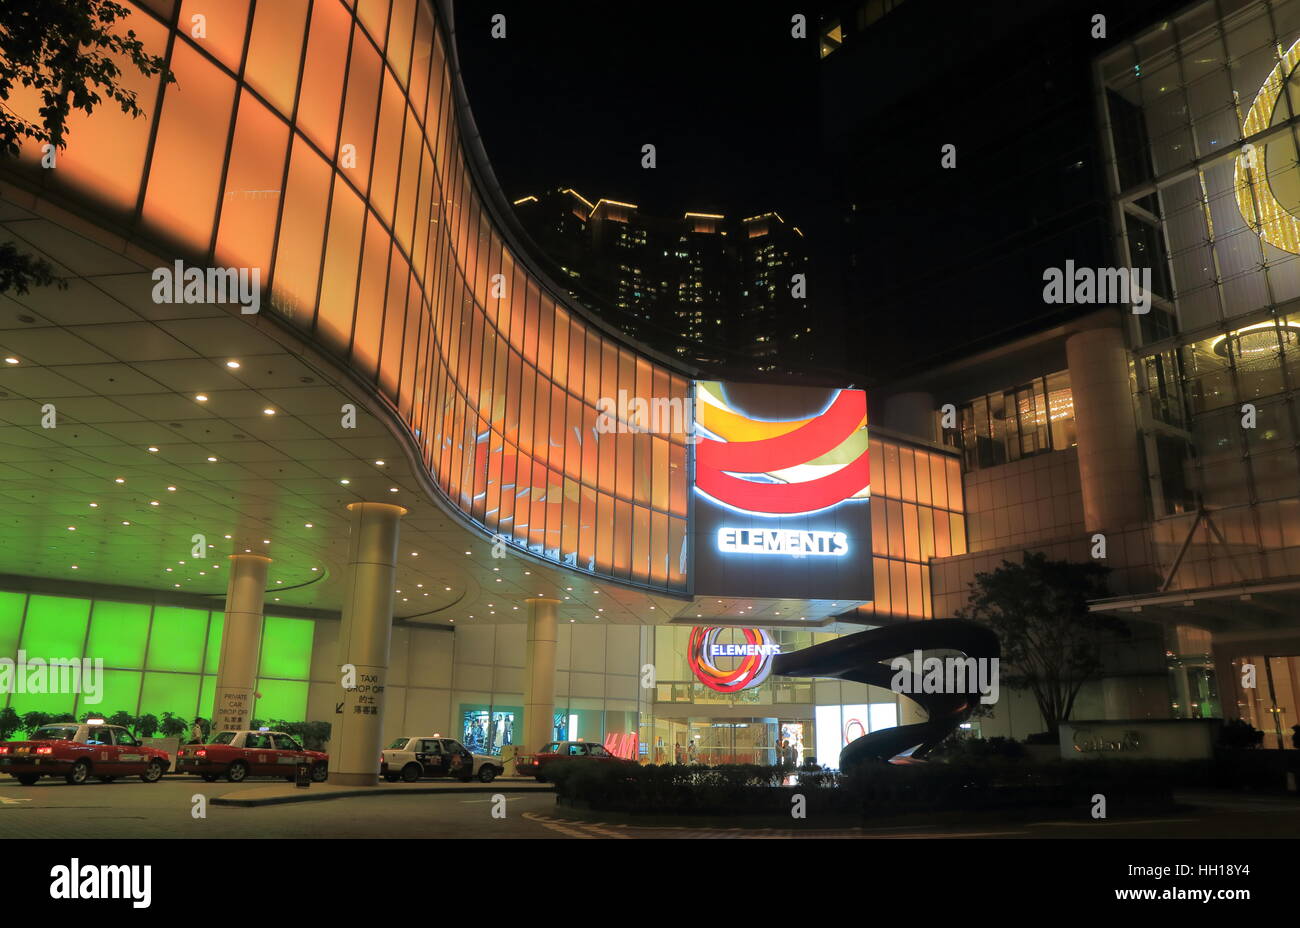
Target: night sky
(729, 99)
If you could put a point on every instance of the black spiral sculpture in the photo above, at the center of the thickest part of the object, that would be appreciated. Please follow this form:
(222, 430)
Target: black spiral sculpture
(857, 657)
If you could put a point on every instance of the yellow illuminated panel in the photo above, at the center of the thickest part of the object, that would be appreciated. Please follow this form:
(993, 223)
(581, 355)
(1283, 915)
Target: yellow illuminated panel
(1255, 198)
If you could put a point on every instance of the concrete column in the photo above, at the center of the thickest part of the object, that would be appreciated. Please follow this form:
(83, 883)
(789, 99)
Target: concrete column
(364, 640)
(539, 673)
(1227, 681)
(1110, 468)
(241, 643)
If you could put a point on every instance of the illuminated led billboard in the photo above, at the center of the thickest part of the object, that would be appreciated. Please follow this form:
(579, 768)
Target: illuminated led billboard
(782, 492)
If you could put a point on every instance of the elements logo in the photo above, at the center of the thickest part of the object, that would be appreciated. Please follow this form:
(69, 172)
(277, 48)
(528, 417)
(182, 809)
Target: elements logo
(755, 654)
(793, 467)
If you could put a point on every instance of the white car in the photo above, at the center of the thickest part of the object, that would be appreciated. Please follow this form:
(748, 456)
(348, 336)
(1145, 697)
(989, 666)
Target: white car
(414, 757)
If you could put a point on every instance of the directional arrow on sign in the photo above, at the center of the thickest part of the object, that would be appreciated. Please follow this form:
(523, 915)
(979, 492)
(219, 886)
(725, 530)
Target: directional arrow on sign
(338, 708)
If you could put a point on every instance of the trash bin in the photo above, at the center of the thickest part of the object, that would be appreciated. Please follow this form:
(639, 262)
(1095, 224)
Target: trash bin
(302, 776)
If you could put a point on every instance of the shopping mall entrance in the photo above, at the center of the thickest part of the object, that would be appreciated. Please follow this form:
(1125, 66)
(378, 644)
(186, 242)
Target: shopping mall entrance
(730, 740)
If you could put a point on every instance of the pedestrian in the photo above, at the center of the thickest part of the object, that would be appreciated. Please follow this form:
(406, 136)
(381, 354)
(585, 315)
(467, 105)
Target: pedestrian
(691, 755)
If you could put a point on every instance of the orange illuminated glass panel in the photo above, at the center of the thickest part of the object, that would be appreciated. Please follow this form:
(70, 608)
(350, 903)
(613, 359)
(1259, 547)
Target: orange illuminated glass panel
(411, 340)
(590, 446)
(677, 479)
(509, 460)
(541, 417)
(878, 532)
(546, 336)
(409, 187)
(587, 529)
(915, 599)
(604, 533)
(374, 16)
(623, 443)
(554, 512)
(925, 520)
(958, 533)
(185, 170)
(911, 533)
(531, 323)
(388, 149)
(274, 51)
(592, 381)
(641, 458)
(400, 32)
(659, 548)
(539, 489)
(893, 479)
(421, 58)
(939, 481)
(640, 544)
(942, 538)
(322, 76)
(894, 516)
(927, 606)
(880, 574)
(676, 553)
(302, 230)
(555, 452)
(659, 470)
(898, 587)
(921, 461)
(622, 552)
(955, 502)
(342, 258)
(481, 462)
(569, 537)
(251, 199)
(223, 24)
(907, 475)
(390, 356)
(106, 150)
(356, 141)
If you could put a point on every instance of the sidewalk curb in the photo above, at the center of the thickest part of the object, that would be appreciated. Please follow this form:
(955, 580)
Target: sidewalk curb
(307, 796)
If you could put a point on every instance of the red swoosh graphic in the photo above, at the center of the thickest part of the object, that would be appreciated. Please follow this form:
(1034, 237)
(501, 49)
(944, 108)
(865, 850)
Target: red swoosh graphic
(805, 443)
(786, 498)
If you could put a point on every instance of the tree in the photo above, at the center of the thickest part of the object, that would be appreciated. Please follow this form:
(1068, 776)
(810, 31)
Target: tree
(34, 720)
(1051, 643)
(146, 725)
(122, 719)
(10, 723)
(173, 726)
(67, 51)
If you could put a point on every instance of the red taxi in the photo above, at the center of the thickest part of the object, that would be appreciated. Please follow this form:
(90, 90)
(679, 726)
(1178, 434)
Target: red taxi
(238, 755)
(534, 765)
(78, 751)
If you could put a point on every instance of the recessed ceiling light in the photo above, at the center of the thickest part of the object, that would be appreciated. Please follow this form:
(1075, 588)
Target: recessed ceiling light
(212, 459)
(153, 450)
(268, 411)
(126, 523)
(72, 528)
(415, 554)
(392, 489)
(379, 463)
(175, 584)
(498, 579)
(201, 397)
(308, 525)
(447, 588)
(11, 360)
(467, 552)
(153, 502)
(119, 480)
(279, 581)
(168, 569)
(315, 568)
(74, 567)
(345, 481)
(171, 489)
(225, 536)
(233, 365)
(94, 505)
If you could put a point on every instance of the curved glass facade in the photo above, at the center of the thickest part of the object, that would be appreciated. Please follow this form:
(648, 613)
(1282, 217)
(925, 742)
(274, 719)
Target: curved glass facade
(317, 141)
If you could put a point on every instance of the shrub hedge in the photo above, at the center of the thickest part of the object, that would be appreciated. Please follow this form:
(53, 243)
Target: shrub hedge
(875, 790)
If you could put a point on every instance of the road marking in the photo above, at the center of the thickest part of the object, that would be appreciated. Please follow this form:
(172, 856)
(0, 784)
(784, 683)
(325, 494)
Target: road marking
(1123, 821)
(547, 823)
(506, 798)
(10, 801)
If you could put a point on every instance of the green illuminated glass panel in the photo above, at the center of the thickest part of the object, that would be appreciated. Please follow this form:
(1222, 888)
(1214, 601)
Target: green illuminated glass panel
(207, 693)
(118, 633)
(286, 647)
(213, 657)
(120, 693)
(176, 641)
(11, 620)
(53, 703)
(177, 693)
(55, 627)
(282, 699)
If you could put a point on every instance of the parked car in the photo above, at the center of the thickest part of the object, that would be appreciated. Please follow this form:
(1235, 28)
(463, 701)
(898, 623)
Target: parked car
(411, 758)
(534, 765)
(78, 751)
(238, 755)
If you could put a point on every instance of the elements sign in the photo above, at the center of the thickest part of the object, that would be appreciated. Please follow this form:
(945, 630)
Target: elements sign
(782, 493)
(751, 659)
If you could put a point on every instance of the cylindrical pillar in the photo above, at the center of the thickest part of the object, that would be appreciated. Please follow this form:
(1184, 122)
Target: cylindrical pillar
(364, 638)
(539, 672)
(241, 643)
(1110, 468)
